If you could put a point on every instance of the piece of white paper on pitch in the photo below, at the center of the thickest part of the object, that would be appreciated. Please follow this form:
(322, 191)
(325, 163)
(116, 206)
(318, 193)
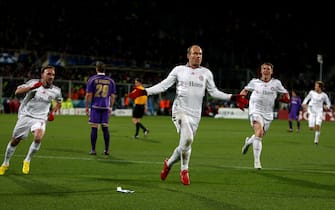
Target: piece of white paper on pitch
(119, 189)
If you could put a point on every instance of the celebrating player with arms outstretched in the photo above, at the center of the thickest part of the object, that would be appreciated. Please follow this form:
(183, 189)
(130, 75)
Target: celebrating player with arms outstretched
(192, 80)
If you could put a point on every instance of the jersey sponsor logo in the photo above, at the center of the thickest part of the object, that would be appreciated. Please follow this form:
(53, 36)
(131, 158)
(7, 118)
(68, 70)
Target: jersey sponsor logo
(265, 92)
(190, 84)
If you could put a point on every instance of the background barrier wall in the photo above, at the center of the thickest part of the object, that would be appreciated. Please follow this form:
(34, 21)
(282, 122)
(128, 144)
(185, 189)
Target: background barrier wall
(327, 116)
(81, 111)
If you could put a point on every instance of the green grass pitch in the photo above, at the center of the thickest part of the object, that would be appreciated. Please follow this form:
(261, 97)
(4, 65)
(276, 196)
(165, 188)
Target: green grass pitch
(296, 174)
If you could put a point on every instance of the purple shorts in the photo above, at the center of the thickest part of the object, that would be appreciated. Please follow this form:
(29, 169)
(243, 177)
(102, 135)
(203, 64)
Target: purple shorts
(293, 115)
(99, 116)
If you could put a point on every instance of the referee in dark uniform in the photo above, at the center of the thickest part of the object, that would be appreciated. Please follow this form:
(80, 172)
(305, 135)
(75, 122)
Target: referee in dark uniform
(139, 110)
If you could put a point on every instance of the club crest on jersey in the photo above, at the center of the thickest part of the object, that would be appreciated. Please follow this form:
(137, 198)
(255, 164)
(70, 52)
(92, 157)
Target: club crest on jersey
(201, 78)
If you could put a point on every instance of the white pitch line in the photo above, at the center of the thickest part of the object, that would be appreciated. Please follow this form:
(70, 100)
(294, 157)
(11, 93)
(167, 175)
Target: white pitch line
(317, 171)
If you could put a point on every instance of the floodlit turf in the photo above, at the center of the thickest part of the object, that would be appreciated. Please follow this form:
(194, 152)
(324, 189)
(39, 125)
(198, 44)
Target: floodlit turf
(296, 174)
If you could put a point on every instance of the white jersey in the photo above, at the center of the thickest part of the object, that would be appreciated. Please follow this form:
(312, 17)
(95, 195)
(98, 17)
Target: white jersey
(316, 101)
(191, 85)
(263, 96)
(36, 103)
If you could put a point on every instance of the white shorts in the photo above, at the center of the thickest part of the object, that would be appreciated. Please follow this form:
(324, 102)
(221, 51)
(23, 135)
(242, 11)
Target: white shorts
(178, 117)
(314, 119)
(25, 124)
(259, 118)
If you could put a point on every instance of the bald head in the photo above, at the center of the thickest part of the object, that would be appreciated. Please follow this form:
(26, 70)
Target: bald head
(194, 55)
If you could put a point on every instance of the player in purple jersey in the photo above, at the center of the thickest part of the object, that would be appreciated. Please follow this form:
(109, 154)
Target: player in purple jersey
(294, 109)
(100, 97)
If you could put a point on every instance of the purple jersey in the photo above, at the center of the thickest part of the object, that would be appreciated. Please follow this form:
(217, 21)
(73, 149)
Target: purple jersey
(294, 108)
(102, 87)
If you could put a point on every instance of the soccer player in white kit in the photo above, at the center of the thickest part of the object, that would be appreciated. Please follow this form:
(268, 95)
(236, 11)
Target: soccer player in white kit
(314, 103)
(261, 104)
(192, 80)
(33, 114)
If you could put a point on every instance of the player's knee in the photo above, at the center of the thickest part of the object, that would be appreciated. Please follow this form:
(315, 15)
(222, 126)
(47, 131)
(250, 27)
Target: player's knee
(189, 140)
(37, 140)
(186, 144)
(259, 133)
(185, 149)
(15, 142)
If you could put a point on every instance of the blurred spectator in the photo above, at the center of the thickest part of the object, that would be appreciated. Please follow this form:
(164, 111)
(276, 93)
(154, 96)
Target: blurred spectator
(14, 105)
(6, 105)
(67, 103)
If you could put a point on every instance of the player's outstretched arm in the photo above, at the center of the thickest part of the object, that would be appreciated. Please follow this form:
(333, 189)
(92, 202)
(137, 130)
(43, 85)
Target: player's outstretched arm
(22, 90)
(36, 85)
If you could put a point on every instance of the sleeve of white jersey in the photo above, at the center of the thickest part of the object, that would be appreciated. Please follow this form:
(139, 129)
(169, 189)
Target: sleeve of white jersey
(327, 101)
(164, 84)
(29, 83)
(213, 91)
(307, 98)
(251, 85)
(59, 97)
(281, 88)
